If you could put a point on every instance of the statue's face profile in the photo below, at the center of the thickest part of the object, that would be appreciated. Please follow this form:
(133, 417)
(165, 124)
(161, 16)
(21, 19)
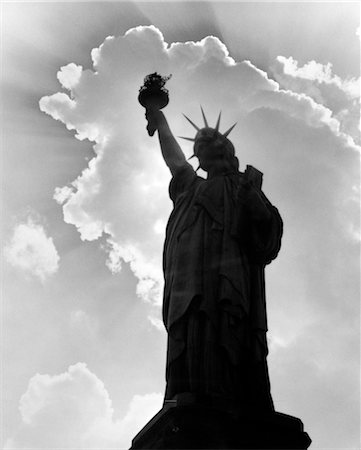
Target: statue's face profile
(210, 156)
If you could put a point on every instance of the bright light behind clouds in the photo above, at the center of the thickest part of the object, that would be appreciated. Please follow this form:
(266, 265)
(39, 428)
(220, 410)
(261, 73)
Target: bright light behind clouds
(287, 74)
(123, 191)
(298, 125)
(31, 251)
(324, 87)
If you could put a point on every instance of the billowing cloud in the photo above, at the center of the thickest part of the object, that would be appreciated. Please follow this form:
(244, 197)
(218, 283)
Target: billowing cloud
(123, 191)
(69, 76)
(31, 250)
(74, 410)
(317, 81)
(298, 128)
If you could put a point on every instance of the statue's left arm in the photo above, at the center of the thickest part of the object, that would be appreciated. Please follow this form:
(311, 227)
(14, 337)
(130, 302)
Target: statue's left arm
(265, 226)
(257, 206)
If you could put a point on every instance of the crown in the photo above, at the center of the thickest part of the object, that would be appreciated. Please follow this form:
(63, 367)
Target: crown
(209, 134)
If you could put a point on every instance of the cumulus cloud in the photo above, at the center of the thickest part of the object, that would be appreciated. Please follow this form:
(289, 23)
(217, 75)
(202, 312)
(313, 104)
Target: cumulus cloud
(69, 76)
(318, 82)
(74, 410)
(122, 193)
(297, 128)
(31, 250)
(147, 272)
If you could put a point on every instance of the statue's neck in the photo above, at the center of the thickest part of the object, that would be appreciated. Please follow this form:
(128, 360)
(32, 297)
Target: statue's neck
(218, 172)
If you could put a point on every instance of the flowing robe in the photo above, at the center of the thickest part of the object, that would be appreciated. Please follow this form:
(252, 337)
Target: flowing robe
(214, 298)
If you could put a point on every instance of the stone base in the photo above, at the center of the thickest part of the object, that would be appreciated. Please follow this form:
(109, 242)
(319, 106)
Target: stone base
(188, 425)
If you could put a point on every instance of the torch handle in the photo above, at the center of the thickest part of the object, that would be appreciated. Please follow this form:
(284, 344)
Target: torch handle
(152, 123)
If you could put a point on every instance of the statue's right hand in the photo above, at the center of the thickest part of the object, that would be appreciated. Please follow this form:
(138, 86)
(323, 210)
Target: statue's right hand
(153, 117)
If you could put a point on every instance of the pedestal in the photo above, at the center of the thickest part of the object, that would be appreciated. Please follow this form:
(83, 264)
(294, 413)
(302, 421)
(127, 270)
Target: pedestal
(182, 425)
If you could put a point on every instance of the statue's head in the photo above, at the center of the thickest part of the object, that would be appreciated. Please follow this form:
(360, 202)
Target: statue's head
(212, 147)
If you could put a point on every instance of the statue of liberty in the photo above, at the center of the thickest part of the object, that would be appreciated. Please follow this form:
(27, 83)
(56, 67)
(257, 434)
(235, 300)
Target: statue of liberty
(220, 236)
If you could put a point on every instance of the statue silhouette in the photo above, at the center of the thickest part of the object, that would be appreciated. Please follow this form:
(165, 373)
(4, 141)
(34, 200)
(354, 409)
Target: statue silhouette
(221, 234)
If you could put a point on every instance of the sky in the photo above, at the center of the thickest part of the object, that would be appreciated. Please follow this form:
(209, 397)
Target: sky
(85, 204)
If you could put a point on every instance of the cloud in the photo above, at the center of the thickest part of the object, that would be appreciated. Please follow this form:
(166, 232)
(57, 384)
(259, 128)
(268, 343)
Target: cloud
(156, 322)
(319, 83)
(297, 128)
(123, 191)
(69, 76)
(32, 251)
(74, 410)
(147, 272)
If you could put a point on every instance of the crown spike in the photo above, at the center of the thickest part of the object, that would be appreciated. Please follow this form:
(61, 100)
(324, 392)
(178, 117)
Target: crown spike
(204, 118)
(187, 138)
(192, 123)
(218, 121)
(229, 130)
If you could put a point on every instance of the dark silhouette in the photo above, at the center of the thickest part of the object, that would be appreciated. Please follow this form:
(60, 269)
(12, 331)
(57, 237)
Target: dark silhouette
(221, 234)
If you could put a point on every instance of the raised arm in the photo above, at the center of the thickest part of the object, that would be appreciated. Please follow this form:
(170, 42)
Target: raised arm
(171, 151)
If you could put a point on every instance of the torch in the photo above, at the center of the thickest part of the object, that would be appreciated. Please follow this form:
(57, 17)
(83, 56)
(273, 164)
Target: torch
(153, 96)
